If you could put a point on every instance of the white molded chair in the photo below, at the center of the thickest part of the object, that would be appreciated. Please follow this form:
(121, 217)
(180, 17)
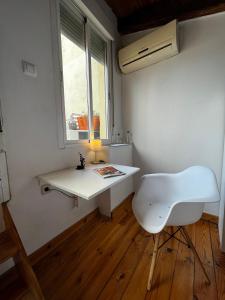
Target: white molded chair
(174, 200)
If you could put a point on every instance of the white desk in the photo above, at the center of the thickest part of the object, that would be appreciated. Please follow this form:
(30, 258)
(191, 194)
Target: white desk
(86, 184)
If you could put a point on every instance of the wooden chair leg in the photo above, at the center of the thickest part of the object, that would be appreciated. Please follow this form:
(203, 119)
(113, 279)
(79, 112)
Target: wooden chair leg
(21, 259)
(153, 261)
(24, 268)
(189, 241)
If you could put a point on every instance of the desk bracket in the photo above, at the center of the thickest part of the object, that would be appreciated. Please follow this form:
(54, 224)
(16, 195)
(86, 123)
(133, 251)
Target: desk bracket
(46, 188)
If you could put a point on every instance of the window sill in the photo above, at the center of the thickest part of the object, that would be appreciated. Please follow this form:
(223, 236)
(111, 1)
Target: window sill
(73, 144)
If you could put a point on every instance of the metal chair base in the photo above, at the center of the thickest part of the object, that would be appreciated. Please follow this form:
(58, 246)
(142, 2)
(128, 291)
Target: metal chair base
(188, 243)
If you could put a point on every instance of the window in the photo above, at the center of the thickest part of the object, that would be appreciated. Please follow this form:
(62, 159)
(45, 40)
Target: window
(85, 79)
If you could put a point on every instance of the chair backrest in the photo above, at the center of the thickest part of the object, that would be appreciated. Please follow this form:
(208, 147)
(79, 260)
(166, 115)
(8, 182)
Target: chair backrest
(193, 184)
(197, 185)
(185, 213)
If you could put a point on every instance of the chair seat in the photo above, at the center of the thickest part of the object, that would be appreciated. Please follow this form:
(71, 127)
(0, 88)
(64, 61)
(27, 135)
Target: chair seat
(154, 216)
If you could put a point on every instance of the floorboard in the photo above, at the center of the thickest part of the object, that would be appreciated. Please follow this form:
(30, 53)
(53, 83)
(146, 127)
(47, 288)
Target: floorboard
(184, 271)
(219, 262)
(109, 260)
(118, 282)
(136, 288)
(164, 271)
(202, 290)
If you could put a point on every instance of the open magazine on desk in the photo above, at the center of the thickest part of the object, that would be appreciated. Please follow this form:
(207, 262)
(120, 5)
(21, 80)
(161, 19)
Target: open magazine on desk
(109, 171)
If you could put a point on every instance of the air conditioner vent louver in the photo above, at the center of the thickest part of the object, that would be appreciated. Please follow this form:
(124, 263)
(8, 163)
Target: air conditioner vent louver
(152, 48)
(148, 54)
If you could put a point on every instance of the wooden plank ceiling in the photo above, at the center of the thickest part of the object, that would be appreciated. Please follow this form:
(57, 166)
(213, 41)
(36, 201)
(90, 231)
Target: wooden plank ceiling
(136, 15)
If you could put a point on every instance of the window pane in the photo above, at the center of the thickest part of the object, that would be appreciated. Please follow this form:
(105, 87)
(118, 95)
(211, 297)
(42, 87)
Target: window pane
(74, 77)
(99, 85)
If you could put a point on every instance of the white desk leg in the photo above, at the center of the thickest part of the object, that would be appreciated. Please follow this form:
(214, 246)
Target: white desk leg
(104, 203)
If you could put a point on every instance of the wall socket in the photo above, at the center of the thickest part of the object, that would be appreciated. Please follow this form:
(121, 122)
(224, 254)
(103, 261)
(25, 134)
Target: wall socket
(45, 189)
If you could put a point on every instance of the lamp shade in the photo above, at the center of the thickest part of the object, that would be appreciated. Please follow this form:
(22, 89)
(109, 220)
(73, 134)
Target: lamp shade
(95, 145)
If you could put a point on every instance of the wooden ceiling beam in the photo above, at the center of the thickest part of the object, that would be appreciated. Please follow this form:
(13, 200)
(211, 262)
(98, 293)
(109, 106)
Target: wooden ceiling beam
(146, 19)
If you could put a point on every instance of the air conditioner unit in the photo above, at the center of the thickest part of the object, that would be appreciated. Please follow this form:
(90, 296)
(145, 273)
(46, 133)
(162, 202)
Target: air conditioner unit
(158, 45)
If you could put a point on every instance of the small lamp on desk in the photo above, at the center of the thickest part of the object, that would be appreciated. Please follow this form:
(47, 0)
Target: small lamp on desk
(95, 145)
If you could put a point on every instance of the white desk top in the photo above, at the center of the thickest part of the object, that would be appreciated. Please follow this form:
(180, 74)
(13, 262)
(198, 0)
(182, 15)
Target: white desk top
(85, 183)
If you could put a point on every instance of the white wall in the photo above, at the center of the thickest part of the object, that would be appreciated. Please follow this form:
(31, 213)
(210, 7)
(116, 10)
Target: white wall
(30, 122)
(175, 109)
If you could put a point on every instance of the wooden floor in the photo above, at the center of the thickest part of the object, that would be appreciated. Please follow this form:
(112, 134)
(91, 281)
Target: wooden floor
(110, 260)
